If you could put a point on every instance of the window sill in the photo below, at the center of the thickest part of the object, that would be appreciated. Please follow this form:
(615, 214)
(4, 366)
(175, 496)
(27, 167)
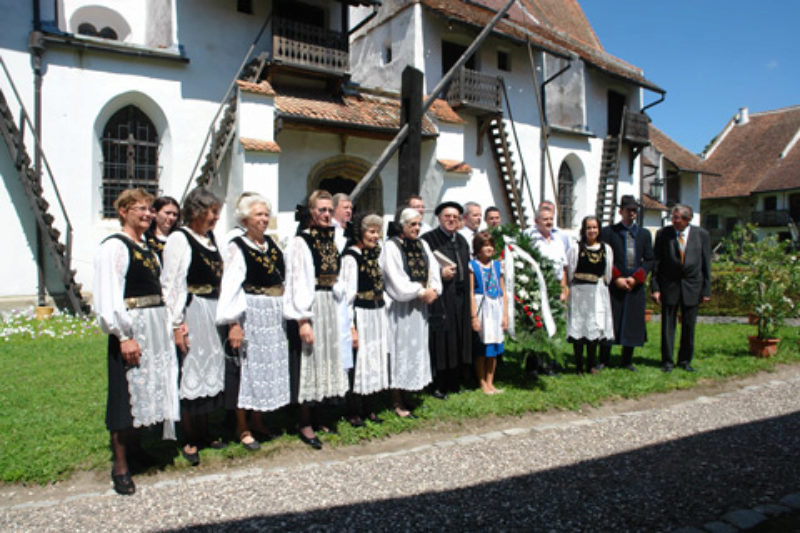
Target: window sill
(572, 131)
(83, 42)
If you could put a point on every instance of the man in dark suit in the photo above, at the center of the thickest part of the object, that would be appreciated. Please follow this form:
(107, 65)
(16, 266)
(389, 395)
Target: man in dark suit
(633, 261)
(681, 280)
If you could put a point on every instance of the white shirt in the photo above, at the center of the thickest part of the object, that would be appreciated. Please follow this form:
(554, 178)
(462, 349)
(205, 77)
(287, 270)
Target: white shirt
(553, 249)
(177, 258)
(468, 234)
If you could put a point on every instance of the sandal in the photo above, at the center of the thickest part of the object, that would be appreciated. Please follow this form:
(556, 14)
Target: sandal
(123, 484)
(249, 443)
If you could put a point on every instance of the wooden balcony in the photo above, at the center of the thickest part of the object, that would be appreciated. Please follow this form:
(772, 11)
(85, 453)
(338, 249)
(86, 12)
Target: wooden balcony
(636, 130)
(773, 218)
(475, 92)
(309, 47)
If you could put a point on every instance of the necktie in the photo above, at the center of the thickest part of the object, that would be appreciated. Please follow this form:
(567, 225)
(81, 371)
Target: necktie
(682, 242)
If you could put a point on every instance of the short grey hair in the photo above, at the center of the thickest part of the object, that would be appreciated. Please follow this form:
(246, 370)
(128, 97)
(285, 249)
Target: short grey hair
(547, 205)
(340, 196)
(370, 221)
(245, 204)
(197, 203)
(470, 204)
(685, 211)
(407, 215)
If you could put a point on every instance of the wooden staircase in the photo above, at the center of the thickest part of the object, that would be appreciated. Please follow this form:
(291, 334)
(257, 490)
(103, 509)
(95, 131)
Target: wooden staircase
(58, 276)
(506, 173)
(609, 177)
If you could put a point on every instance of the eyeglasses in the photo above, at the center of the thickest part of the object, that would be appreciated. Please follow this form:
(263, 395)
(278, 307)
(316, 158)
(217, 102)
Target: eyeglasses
(325, 210)
(140, 208)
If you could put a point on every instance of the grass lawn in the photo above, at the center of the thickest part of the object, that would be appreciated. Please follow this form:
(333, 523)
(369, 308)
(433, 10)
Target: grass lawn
(52, 396)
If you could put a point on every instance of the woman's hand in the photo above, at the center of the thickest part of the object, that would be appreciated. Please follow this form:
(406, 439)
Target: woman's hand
(181, 334)
(235, 336)
(429, 296)
(476, 324)
(306, 332)
(504, 323)
(354, 334)
(131, 352)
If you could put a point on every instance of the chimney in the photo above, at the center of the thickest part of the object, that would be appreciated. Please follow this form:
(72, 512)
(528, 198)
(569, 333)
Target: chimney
(743, 116)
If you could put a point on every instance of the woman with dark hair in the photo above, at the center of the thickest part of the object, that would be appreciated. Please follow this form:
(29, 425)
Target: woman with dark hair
(166, 213)
(191, 279)
(142, 370)
(412, 282)
(311, 301)
(589, 318)
(251, 305)
(363, 284)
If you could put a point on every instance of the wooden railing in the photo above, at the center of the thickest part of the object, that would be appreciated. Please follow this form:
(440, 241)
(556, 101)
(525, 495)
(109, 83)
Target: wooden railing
(470, 88)
(776, 217)
(304, 45)
(636, 129)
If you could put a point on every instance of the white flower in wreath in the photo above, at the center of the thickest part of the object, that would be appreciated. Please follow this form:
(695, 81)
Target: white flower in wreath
(522, 293)
(535, 306)
(519, 265)
(523, 279)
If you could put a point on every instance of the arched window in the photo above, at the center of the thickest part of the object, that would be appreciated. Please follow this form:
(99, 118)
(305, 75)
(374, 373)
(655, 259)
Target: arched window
(108, 33)
(130, 155)
(87, 29)
(566, 196)
(342, 174)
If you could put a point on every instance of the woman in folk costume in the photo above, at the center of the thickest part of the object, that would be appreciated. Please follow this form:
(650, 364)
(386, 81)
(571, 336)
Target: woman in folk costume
(191, 280)
(412, 283)
(166, 214)
(311, 300)
(251, 305)
(589, 318)
(142, 370)
(363, 282)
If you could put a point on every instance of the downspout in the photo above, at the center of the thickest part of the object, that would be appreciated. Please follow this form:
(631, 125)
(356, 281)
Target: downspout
(641, 178)
(36, 46)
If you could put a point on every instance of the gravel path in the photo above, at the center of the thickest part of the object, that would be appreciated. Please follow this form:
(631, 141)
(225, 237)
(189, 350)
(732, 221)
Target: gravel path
(700, 462)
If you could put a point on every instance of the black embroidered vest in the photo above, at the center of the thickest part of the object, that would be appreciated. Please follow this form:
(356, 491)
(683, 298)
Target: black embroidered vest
(155, 244)
(415, 260)
(370, 278)
(264, 269)
(144, 269)
(591, 265)
(205, 270)
(325, 254)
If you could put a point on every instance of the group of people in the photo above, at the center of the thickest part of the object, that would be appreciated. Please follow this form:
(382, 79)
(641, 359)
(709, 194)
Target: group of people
(603, 280)
(343, 312)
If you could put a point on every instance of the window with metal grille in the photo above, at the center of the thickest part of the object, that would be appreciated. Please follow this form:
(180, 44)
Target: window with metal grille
(566, 196)
(130, 156)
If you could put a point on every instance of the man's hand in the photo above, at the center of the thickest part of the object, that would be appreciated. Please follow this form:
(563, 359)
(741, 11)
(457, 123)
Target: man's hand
(448, 272)
(657, 296)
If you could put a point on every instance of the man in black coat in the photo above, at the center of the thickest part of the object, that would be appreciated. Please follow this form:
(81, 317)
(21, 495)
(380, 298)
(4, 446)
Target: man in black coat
(450, 334)
(633, 261)
(681, 280)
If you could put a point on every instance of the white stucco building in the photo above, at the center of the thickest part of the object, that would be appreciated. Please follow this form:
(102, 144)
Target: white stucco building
(130, 89)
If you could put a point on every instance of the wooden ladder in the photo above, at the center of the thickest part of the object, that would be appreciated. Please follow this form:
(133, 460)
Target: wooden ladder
(506, 173)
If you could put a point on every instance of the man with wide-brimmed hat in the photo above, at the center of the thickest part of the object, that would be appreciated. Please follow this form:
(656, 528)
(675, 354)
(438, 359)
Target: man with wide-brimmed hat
(450, 333)
(633, 260)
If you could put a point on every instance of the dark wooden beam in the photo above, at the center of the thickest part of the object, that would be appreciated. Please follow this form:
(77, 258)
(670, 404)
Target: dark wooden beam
(409, 151)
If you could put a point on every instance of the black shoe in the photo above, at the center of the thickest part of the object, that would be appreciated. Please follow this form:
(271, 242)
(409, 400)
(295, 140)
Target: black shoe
(356, 422)
(629, 367)
(251, 446)
(686, 366)
(666, 367)
(314, 441)
(439, 395)
(217, 444)
(375, 419)
(123, 484)
(193, 458)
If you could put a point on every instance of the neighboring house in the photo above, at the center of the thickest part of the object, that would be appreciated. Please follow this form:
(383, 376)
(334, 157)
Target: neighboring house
(756, 159)
(134, 93)
(671, 174)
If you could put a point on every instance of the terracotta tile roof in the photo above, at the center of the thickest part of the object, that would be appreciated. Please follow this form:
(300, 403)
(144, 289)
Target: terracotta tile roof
(257, 145)
(558, 25)
(451, 165)
(748, 156)
(380, 114)
(258, 88)
(680, 156)
(648, 202)
(442, 111)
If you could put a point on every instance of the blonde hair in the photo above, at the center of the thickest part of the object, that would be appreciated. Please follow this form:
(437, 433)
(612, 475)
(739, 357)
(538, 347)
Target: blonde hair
(129, 197)
(315, 196)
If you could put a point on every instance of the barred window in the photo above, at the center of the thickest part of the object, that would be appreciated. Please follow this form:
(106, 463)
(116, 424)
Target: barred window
(130, 156)
(566, 196)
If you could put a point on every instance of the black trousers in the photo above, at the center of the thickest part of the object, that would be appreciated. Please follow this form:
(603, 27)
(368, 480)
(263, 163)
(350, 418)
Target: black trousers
(669, 315)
